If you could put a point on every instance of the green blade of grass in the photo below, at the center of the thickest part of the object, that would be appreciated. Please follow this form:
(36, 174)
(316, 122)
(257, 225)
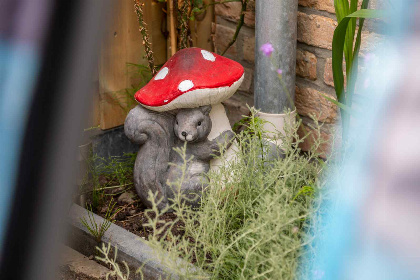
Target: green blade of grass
(341, 9)
(338, 47)
(342, 106)
(348, 47)
(353, 75)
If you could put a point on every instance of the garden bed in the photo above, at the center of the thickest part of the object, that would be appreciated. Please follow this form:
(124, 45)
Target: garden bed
(129, 212)
(131, 249)
(256, 218)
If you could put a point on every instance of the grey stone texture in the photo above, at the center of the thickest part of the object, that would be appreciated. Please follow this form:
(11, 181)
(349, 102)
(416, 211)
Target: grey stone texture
(81, 266)
(157, 162)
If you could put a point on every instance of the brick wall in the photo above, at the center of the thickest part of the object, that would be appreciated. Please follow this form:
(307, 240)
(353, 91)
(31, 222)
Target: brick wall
(316, 24)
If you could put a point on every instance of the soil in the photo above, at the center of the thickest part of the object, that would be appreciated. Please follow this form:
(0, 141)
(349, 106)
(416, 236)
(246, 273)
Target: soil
(132, 215)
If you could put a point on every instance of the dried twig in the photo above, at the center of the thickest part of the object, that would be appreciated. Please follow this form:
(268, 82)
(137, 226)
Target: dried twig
(138, 7)
(184, 8)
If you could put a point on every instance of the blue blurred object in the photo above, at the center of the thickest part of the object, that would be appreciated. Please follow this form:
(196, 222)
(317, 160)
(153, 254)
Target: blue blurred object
(22, 29)
(16, 95)
(370, 229)
(48, 51)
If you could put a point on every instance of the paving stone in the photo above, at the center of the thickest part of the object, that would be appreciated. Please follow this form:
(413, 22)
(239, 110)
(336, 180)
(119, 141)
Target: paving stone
(77, 265)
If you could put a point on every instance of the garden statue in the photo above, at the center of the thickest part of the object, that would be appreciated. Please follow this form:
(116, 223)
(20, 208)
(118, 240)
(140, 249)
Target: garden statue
(182, 104)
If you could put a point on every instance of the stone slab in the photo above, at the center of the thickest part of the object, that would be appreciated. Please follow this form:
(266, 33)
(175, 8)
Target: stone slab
(80, 265)
(131, 248)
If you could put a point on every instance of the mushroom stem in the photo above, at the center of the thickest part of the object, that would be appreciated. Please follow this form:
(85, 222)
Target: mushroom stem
(220, 123)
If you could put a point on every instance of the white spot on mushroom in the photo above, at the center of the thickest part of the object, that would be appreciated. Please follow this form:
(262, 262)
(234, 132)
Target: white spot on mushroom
(166, 100)
(162, 73)
(185, 85)
(208, 55)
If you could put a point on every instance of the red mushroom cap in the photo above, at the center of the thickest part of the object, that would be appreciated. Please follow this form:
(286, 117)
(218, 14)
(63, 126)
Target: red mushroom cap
(192, 77)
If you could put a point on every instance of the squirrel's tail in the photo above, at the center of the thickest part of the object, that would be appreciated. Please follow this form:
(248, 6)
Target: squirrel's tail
(153, 131)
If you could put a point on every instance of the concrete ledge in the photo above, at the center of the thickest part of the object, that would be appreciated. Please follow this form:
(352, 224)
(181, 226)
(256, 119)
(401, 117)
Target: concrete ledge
(131, 248)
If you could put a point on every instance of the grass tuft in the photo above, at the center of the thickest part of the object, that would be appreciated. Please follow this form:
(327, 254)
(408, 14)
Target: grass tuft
(98, 230)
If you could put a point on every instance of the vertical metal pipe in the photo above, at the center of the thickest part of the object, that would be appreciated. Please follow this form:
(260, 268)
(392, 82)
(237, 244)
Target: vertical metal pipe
(276, 23)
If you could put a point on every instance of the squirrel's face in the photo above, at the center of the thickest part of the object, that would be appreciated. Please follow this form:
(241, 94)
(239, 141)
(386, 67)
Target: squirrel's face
(193, 124)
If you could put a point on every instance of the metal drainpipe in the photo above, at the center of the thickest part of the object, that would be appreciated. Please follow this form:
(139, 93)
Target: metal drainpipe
(276, 23)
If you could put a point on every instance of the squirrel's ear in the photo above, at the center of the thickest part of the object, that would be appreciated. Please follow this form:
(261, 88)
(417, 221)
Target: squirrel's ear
(206, 109)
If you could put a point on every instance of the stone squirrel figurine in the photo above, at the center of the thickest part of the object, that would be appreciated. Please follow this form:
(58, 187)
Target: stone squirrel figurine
(158, 134)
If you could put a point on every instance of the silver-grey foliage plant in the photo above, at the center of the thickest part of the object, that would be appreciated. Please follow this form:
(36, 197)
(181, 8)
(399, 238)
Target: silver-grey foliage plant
(257, 217)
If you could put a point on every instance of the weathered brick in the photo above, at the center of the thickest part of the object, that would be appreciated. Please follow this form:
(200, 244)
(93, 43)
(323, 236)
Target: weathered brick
(314, 136)
(310, 102)
(232, 11)
(316, 30)
(306, 64)
(324, 5)
(247, 82)
(223, 36)
(328, 73)
(249, 49)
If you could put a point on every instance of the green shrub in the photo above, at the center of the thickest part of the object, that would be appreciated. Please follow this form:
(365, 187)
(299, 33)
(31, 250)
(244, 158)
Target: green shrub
(256, 216)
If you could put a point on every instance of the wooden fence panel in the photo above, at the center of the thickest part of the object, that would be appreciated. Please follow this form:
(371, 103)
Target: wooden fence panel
(201, 29)
(122, 44)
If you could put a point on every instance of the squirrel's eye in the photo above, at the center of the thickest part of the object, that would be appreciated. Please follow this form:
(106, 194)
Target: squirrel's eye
(176, 121)
(199, 123)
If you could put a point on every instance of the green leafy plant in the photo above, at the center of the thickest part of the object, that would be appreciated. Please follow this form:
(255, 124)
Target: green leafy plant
(347, 44)
(98, 230)
(119, 169)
